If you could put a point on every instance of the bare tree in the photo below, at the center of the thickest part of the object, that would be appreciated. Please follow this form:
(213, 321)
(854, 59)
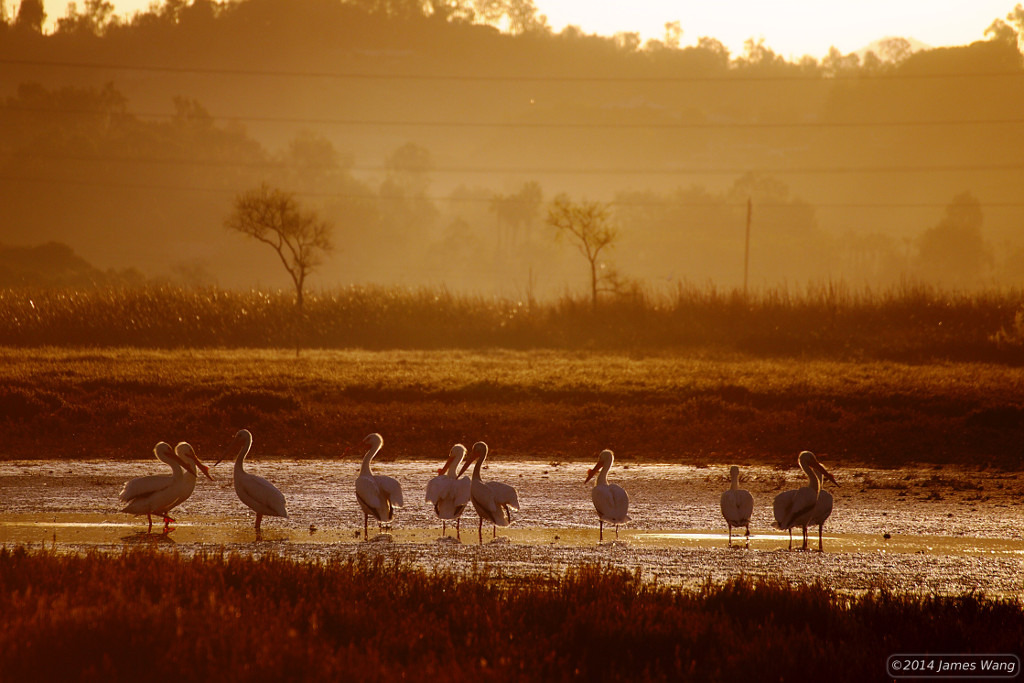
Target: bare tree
(587, 226)
(299, 236)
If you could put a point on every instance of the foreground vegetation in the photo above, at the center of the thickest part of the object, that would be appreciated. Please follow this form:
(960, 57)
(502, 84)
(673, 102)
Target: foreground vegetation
(155, 616)
(698, 408)
(910, 324)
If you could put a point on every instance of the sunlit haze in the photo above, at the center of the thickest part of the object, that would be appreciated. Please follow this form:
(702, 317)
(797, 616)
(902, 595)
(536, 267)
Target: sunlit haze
(792, 28)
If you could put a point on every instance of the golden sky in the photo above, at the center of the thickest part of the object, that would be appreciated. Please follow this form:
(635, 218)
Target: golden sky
(792, 28)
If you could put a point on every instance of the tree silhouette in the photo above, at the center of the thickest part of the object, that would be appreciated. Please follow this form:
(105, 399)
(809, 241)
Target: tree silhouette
(954, 251)
(274, 217)
(586, 224)
(31, 16)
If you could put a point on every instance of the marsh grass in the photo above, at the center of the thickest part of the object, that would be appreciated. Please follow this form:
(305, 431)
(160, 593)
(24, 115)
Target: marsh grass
(907, 323)
(148, 615)
(555, 405)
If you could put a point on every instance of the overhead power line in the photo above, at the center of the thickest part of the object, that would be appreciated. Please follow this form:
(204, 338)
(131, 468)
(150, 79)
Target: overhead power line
(701, 125)
(735, 76)
(635, 203)
(550, 170)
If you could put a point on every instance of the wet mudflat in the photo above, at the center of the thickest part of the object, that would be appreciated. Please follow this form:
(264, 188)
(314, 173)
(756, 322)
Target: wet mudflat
(949, 530)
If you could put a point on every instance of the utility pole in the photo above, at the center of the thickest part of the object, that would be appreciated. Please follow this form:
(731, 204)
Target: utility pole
(746, 251)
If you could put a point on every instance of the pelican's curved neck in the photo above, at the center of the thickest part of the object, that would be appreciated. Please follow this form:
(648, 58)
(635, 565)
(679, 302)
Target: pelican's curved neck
(365, 469)
(602, 479)
(814, 482)
(453, 469)
(243, 451)
(476, 468)
(735, 479)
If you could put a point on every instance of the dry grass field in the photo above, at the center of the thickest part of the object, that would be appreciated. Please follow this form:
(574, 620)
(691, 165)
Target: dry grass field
(566, 405)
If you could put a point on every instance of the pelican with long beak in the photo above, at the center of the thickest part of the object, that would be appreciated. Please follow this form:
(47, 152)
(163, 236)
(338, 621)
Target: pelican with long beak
(492, 500)
(610, 500)
(448, 492)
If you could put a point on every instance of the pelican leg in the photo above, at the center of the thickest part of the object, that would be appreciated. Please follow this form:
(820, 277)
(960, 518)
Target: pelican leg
(616, 532)
(805, 539)
(444, 528)
(819, 539)
(790, 538)
(366, 526)
(748, 535)
(600, 537)
(730, 534)
(259, 520)
(458, 533)
(480, 531)
(149, 516)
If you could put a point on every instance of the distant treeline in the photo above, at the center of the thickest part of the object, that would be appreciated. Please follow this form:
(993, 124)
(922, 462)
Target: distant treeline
(913, 323)
(431, 141)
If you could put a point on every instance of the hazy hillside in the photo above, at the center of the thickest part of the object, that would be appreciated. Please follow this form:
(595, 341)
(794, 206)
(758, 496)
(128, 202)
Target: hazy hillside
(129, 143)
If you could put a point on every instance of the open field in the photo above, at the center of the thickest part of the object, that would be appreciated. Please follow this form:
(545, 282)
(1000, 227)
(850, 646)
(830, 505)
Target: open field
(653, 407)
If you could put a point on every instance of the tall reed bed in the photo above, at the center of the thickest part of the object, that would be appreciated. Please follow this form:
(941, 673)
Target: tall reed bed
(147, 615)
(906, 323)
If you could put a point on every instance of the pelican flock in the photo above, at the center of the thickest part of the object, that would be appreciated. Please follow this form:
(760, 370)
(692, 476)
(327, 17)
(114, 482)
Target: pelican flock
(257, 493)
(737, 505)
(448, 491)
(610, 500)
(377, 495)
(492, 500)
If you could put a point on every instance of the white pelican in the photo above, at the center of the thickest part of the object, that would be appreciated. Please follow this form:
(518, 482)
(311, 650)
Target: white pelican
(610, 500)
(491, 499)
(377, 495)
(793, 508)
(191, 461)
(448, 492)
(823, 506)
(159, 494)
(256, 492)
(737, 505)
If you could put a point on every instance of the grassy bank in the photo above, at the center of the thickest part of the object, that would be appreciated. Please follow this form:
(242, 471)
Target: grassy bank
(915, 324)
(156, 616)
(545, 404)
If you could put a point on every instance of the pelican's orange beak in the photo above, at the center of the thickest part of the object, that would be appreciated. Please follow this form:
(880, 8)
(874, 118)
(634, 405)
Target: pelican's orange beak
(825, 473)
(828, 476)
(466, 464)
(447, 464)
(205, 470)
(591, 472)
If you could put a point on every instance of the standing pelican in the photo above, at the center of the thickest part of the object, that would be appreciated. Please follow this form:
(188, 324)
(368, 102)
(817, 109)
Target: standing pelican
(159, 494)
(794, 508)
(610, 500)
(448, 492)
(138, 493)
(377, 495)
(187, 455)
(256, 492)
(737, 505)
(491, 499)
(823, 506)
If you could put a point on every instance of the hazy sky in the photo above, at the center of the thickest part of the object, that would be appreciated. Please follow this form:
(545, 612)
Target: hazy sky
(792, 28)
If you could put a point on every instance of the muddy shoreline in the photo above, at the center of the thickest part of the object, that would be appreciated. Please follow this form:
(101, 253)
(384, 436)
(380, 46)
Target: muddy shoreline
(950, 530)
